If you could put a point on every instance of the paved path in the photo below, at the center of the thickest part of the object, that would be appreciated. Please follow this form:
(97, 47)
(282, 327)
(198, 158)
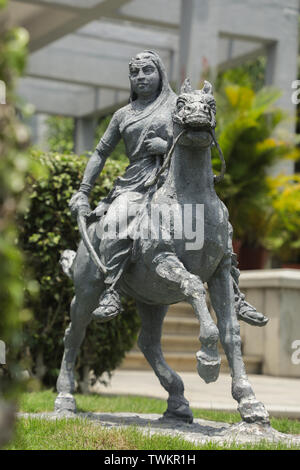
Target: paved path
(281, 396)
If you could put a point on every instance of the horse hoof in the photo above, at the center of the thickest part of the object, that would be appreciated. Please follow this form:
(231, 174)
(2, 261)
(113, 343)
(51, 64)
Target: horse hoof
(208, 367)
(253, 411)
(183, 414)
(65, 403)
(178, 410)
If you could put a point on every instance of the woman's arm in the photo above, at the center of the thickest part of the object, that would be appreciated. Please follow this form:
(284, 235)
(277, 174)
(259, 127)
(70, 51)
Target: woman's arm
(96, 162)
(111, 137)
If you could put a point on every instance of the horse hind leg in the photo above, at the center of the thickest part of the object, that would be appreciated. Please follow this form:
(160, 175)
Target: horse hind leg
(81, 316)
(222, 298)
(149, 342)
(88, 287)
(172, 271)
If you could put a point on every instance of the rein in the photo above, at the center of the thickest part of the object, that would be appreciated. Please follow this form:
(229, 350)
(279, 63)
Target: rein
(166, 163)
(219, 178)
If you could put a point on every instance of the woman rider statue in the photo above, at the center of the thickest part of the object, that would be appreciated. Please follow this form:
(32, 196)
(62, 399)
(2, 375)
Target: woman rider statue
(145, 125)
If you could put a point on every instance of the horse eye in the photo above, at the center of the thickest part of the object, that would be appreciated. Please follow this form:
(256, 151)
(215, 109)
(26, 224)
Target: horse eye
(180, 105)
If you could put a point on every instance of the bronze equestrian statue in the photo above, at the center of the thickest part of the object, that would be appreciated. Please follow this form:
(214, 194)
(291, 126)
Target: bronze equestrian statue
(168, 142)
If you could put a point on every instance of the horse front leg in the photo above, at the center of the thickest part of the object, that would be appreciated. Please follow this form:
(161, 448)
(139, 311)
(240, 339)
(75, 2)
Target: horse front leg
(149, 342)
(222, 298)
(175, 275)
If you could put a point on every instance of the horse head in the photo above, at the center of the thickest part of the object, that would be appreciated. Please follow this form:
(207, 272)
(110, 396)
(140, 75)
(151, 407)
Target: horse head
(194, 119)
(195, 109)
(194, 122)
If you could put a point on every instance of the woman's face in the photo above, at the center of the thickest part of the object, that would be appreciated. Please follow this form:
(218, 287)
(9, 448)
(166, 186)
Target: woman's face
(144, 78)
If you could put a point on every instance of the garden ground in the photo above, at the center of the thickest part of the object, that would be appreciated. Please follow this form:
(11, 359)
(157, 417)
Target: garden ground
(84, 434)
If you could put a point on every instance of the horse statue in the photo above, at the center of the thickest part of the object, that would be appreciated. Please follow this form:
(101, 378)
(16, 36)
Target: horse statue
(165, 272)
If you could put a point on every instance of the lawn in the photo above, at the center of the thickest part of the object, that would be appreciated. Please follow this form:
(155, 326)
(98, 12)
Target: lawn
(78, 434)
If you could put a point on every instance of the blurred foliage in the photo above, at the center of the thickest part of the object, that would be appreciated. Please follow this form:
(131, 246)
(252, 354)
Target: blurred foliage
(248, 136)
(251, 75)
(60, 136)
(15, 164)
(47, 230)
(284, 225)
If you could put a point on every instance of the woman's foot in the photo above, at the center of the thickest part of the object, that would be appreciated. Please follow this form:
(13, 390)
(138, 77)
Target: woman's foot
(109, 307)
(247, 313)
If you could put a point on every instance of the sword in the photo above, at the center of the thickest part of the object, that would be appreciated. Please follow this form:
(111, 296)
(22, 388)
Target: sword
(81, 221)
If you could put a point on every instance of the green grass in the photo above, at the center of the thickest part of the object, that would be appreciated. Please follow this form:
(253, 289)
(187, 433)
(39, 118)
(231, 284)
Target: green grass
(37, 402)
(83, 434)
(77, 434)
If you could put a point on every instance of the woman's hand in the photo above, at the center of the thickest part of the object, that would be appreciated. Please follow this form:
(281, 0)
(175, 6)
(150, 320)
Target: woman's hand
(155, 145)
(79, 203)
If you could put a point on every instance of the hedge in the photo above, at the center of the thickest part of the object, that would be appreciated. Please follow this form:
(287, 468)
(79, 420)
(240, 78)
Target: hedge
(47, 230)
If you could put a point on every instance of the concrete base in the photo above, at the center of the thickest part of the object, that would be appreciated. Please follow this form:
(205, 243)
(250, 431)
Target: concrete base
(276, 293)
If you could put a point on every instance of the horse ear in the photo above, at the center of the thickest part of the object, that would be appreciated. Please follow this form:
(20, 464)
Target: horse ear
(186, 87)
(207, 88)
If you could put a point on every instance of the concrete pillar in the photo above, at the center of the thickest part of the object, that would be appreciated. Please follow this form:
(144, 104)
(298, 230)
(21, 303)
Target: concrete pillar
(198, 47)
(276, 293)
(282, 70)
(84, 134)
(39, 131)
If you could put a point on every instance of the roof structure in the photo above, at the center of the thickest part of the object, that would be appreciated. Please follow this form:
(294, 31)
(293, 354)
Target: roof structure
(79, 49)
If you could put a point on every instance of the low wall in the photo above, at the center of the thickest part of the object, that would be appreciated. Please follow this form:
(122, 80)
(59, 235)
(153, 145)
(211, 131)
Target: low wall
(276, 293)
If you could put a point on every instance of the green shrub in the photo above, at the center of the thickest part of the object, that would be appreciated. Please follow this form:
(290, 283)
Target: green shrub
(48, 229)
(60, 134)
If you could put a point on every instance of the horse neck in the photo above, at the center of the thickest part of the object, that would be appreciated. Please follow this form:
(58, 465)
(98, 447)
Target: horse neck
(190, 175)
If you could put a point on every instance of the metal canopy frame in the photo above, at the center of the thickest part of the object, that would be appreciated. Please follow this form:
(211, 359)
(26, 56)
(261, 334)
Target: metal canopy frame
(79, 49)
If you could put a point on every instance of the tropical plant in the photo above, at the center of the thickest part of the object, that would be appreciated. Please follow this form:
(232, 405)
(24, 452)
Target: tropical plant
(250, 74)
(283, 235)
(246, 131)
